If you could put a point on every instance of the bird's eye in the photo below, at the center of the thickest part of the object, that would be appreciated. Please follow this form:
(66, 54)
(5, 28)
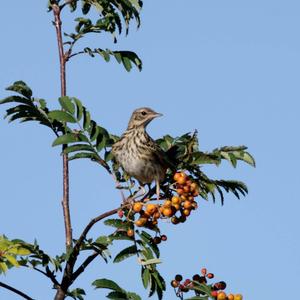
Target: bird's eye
(143, 113)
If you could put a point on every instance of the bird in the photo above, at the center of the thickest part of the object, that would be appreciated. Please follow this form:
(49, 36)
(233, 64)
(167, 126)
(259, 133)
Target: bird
(138, 154)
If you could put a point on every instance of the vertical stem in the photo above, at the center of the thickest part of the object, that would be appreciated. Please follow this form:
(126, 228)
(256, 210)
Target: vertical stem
(62, 61)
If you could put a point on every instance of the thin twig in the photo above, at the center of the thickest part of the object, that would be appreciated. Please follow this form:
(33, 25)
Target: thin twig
(14, 290)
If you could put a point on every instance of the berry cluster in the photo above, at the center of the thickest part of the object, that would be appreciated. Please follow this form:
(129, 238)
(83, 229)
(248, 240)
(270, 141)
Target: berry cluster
(216, 290)
(177, 208)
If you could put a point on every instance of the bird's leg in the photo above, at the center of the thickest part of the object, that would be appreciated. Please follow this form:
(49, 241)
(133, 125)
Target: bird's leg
(141, 188)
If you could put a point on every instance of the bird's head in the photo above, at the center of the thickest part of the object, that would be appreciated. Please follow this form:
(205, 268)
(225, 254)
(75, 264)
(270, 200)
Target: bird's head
(141, 117)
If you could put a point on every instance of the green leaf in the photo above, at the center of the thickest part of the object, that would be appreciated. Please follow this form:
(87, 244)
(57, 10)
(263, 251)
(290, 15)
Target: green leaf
(107, 284)
(146, 277)
(86, 119)
(127, 63)
(61, 116)
(80, 155)
(12, 260)
(78, 147)
(117, 223)
(79, 108)
(117, 295)
(67, 104)
(133, 296)
(20, 87)
(16, 99)
(125, 253)
(69, 138)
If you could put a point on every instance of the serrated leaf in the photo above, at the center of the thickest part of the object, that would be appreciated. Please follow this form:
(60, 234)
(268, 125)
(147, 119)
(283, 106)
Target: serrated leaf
(107, 284)
(67, 104)
(126, 253)
(61, 116)
(69, 138)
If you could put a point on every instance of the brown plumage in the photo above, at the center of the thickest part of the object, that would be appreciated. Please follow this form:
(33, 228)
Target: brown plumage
(137, 152)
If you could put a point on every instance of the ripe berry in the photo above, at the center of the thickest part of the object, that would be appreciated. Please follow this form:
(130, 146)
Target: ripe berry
(186, 212)
(203, 271)
(156, 240)
(130, 232)
(151, 208)
(220, 285)
(210, 275)
(120, 213)
(140, 222)
(197, 277)
(174, 283)
(221, 296)
(137, 207)
(187, 282)
(175, 200)
(238, 297)
(177, 176)
(178, 277)
(164, 238)
(214, 294)
(230, 297)
(187, 204)
(167, 204)
(168, 212)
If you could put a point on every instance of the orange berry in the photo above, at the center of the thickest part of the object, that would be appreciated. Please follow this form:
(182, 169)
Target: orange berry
(156, 215)
(186, 189)
(194, 186)
(167, 204)
(191, 198)
(186, 212)
(238, 297)
(141, 222)
(180, 191)
(187, 204)
(181, 180)
(195, 193)
(154, 222)
(175, 200)
(130, 232)
(183, 197)
(221, 296)
(177, 176)
(151, 208)
(168, 212)
(137, 207)
(230, 297)
(174, 283)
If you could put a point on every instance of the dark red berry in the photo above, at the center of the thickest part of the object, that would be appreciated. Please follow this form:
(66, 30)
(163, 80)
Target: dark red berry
(156, 240)
(163, 237)
(178, 277)
(210, 275)
(120, 213)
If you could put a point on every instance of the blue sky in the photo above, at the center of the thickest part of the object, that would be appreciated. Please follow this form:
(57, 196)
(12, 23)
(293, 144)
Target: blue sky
(229, 69)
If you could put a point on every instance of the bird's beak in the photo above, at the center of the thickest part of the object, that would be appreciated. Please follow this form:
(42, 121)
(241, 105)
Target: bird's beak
(156, 115)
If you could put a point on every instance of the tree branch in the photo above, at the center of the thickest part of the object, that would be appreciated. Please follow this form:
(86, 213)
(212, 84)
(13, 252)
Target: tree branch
(82, 267)
(14, 290)
(62, 59)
